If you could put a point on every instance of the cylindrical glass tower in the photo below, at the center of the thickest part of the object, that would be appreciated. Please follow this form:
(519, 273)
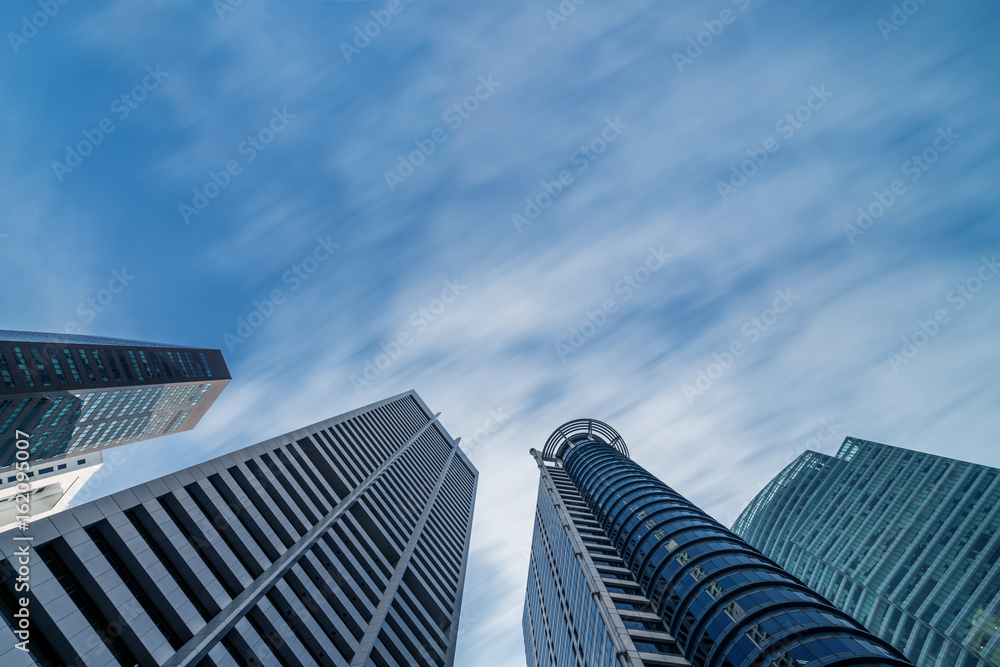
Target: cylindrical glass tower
(725, 603)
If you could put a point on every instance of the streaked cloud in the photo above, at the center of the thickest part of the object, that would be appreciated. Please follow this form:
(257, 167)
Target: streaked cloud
(494, 346)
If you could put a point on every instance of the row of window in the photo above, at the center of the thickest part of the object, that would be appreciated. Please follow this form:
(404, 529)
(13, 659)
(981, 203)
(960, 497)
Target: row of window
(46, 366)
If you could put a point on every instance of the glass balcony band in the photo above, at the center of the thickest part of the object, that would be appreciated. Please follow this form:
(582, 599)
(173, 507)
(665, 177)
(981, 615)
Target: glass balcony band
(625, 499)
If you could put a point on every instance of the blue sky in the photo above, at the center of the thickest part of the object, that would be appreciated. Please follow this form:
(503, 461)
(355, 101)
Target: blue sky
(685, 195)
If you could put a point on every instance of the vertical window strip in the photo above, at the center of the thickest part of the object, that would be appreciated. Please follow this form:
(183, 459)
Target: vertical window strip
(168, 400)
(208, 368)
(135, 365)
(68, 356)
(111, 364)
(43, 372)
(174, 398)
(139, 399)
(78, 442)
(173, 363)
(8, 379)
(166, 422)
(196, 365)
(166, 366)
(124, 364)
(184, 367)
(22, 365)
(86, 365)
(56, 366)
(150, 365)
(191, 365)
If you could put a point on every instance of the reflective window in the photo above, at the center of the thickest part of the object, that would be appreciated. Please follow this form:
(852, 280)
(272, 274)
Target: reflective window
(43, 372)
(145, 364)
(22, 365)
(100, 366)
(71, 363)
(54, 360)
(111, 364)
(135, 365)
(5, 370)
(124, 365)
(204, 360)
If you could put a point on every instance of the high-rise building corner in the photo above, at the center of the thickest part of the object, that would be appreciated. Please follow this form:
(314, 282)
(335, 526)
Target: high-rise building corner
(342, 543)
(625, 572)
(906, 542)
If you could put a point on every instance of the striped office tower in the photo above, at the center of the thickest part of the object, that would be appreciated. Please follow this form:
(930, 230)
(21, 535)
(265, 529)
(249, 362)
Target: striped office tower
(908, 543)
(627, 573)
(342, 543)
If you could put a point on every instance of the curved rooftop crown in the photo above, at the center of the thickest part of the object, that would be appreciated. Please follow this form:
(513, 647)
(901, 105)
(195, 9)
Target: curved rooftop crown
(581, 430)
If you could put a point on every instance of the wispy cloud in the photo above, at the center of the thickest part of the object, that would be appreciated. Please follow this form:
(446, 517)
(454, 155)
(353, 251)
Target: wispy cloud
(494, 347)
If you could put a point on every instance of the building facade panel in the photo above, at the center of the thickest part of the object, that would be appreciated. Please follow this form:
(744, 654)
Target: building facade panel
(906, 542)
(270, 555)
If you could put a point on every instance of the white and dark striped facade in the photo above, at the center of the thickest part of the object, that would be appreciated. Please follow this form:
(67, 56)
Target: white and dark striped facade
(75, 394)
(625, 572)
(343, 543)
(906, 542)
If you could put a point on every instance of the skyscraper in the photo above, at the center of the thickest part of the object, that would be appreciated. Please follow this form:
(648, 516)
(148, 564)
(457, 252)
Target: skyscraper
(75, 394)
(342, 543)
(625, 572)
(907, 543)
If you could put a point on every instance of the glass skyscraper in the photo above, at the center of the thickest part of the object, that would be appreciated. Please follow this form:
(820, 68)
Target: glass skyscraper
(625, 572)
(342, 543)
(907, 543)
(75, 394)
